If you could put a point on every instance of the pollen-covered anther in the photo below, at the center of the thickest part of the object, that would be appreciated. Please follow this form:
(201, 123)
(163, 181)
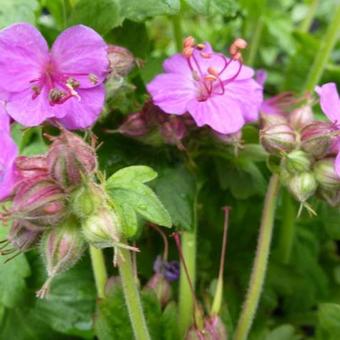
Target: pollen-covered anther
(56, 96)
(36, 91)
(236, 47)
(93, 78)
(74, 83)
(200, 46)
(188, 51)
(188, 42)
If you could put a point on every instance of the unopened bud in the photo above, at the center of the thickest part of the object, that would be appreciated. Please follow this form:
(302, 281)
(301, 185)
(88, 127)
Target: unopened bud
(161, 287)
(214, 329)
(316, 138)
(301, 117)
(30, 167)
(268, 120)
(121, 60)
(61, 249)
(134, 126)
(173, 130)
(277, 139)
(302, 186)
(70, 159)
(296, 162)
(324, 171)
(21, 238)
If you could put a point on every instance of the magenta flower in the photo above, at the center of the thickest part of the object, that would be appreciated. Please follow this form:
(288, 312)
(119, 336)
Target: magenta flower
(64, 84)
(8, 154)
(330, 105)
(215, 90)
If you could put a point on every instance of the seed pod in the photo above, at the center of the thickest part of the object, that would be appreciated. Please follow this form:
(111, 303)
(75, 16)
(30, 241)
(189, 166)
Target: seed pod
(302, 186)
(40, 202)
(325, 174)
(61, 248)
(296, 162)
(277, 139)
(301, 117)
(87, 199)
(316, 138)
(70, 160)
(121, 60)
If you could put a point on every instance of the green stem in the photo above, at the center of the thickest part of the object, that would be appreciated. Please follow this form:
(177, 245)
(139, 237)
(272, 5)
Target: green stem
(99, 270)
(327, 44)
(255, 42)
(177, 29)
(307, 22)
(186, 298)
(287, 231)
(132, 297)
(260, 263)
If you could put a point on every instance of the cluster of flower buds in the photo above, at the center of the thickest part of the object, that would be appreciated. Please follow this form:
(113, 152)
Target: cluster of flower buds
(306, 149)
(152, 126)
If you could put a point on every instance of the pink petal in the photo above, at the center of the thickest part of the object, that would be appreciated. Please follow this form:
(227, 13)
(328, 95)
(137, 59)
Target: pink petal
(28, 112)
(249, 95)
(7, 171)
(83, 114)
(79, 52)
(177, 64)
(23, 52)
(4, 119)
(329, 101)
(172, 92)
(221, 113)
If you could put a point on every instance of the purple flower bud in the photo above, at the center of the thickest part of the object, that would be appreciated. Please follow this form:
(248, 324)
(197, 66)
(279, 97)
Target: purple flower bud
(134, 126)
(61, 248)
(170, 270)
(70, 160)
(302, 186)
(161, 287)
(30, 167)
(121, 60)
(214, 329)
(102, 229)
(325, 174)
(301, 117)
(316, 138)
(277, 139)
(40, 202)
(296, 162)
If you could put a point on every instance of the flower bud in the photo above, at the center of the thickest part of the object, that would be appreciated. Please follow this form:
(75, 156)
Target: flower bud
(70, 159)
(316, 138)
(21, 238)
(301, 117)
(173, 130)
(272, 119)
(61, 248)
(278, 138)
(86, 200)
(102, 229)
(40, 202)
(332, 197)
(302, 186)
(121, 60)
(161, 287)
(214, 329)
(30, 167)
(134, 126)
(325, 174)
(296, 162)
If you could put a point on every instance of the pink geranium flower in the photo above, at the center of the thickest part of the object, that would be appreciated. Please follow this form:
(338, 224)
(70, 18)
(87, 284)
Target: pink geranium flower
(8, 154)
(330, 105)
(215, 90)
(63, 84)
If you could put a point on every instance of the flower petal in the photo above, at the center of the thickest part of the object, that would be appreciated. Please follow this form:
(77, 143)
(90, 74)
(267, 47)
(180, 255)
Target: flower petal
(80, 52)
(83, 114)
(23, 52)
(329, 101)
(30, 112)
(221, 113)
(172, 92)
(4, 119)
(7, 170)
(177, 64)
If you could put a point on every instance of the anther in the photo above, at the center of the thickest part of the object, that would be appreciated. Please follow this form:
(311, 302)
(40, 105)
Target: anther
(213, 71)
(200, 46)
(93, 78)
(188, 42)
(55, 96)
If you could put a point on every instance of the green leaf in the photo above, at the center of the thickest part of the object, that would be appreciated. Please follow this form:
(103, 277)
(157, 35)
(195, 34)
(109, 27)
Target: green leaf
(139, 10)
(101, 15)
(13, 11)
(329, 321)
(12, 277)
(283, 332)
(212, 7)
(176, 188)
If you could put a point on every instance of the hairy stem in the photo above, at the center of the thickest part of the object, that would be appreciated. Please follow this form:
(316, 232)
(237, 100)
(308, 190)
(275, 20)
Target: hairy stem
(132, 297)
(99, 270)
(327, 44)
(258, 274)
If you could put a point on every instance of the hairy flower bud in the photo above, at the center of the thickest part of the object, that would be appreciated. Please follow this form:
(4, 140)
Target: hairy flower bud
(173, 130)
(70, 159)
(86, 200)
(277, 139)
(102, 229)
(325, 174)
(61, 248)
(302, 186)
(22, 238)
(214, 329)
(296, 162)
(39, 202)
(121, 60)
(301, 117)
(272, 119)
(161, 287)
(30, 167)
(134, 126)
(316, 138)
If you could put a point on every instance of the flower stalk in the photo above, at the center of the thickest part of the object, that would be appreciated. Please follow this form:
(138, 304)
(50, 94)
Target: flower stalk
(99, 270)
(260, 263)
